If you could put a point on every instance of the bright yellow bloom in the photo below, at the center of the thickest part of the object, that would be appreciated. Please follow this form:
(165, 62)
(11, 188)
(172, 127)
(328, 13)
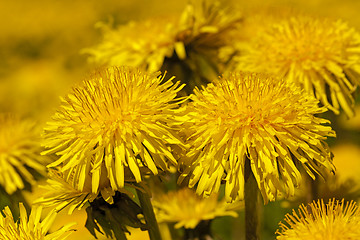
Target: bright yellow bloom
(61, 192)
(335, 220)
(322, 56)
(199, 30)
(30, 227)
(185, 208)
(257, 117)
(19, 152)
(118, 126)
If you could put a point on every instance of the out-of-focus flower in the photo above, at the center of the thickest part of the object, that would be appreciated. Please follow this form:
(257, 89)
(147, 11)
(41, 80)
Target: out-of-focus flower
(19, 152)
(206, 32)
(185, 208)
(61, 193)
(257, 118)
(205, 29)
(320, 55)
(117, 126)
(143, 44)
(30, 227)
(196, 38)
(335, 220)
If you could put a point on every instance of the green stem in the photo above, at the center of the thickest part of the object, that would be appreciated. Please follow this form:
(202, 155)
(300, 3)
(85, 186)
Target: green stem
(315, 185)
(252, 208)
(313, 188)
(153, 227)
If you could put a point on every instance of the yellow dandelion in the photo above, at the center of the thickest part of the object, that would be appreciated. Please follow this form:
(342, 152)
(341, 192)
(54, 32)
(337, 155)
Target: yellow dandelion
(61, 192)
(185, 208)
(198, 33)
(206, 28)
(257, 118)
(143, 44)
(335, 220)
(118, 125)
(320, 55)
(30, 227)
(19, 152)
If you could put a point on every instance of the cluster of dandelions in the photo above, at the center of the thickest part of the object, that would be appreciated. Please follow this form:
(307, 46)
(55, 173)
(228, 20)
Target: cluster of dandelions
(198, 30)
(125, 124)
(196, 41)
(120, 125)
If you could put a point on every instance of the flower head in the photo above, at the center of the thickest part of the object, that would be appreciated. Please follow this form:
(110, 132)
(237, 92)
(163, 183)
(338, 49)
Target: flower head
(335, 220)
(118, 126)
(185, 208)
(257, 118)
(62, 192)
(321, 56)
(19, 152)
(143, 44)
(206, 28)
(30, 227)
(197, 34)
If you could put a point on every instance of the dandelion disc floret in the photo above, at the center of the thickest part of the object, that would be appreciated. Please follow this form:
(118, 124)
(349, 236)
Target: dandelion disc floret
(121, 118)
(335, 220)
(257, 118)
(321, 55)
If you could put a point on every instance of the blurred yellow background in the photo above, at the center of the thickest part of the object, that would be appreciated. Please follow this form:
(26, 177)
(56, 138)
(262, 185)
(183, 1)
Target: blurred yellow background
(40, 44)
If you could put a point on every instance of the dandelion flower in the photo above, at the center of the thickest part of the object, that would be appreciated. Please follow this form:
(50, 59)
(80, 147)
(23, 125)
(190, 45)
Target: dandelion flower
(206, 32)
(30, 227)
(206, 29)
(322, 56)
(193, 38)
(61, 192)
(118, 125)
(19, 152)
(185, 208)
(143, 44)
(335, 220)
(257, 118)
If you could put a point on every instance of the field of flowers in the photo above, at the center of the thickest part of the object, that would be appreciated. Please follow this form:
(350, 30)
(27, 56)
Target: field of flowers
(180, 120)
